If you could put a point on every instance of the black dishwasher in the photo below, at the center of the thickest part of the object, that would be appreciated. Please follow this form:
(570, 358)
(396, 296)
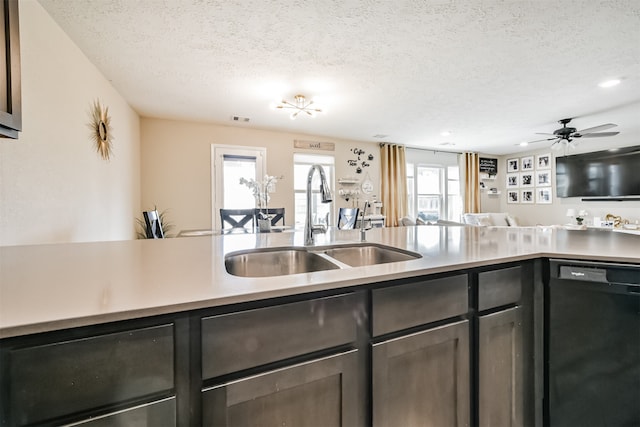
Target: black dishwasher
(592, 351)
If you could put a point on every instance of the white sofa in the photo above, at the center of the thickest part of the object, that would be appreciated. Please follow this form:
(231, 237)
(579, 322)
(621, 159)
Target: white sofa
(409, 221)
(491, 219)
(501, 219)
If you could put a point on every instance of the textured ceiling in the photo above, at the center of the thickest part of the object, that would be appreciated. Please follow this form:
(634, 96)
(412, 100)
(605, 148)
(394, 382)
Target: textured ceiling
(493, 72)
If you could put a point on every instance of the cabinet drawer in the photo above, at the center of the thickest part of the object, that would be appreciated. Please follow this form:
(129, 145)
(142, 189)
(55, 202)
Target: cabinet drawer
(63, 378)
(238, 341)
(499, 287)
(404, 306)
(157, 414)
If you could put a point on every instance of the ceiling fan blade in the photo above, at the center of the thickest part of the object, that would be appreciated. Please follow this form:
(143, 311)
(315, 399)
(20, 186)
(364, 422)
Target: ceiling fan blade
(595, 135)
(542, 140)
(543, 133)
(596, 129)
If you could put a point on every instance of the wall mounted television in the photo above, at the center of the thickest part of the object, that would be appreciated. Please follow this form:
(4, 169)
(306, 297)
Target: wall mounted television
(599, 174)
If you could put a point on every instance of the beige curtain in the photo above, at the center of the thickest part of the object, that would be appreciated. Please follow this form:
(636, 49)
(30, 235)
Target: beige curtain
(471, 168)
(393, 176)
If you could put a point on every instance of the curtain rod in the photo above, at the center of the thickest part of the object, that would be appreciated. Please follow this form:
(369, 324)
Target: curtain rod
(382, 144)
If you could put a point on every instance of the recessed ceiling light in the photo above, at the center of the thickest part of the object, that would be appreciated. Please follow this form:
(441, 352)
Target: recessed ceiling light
(445, 133)
(609, 83)
(523, 144)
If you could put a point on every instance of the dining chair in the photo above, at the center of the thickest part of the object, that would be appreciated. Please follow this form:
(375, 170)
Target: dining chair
(153, 224)
(347, 218)
(238, 218)
(276, 214)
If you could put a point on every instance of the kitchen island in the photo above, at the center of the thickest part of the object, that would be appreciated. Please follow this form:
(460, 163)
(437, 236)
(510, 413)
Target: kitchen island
(204, 339)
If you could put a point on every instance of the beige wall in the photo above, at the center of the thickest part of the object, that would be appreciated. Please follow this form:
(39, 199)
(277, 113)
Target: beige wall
(54, 187)
(555, 213)
(176, 166)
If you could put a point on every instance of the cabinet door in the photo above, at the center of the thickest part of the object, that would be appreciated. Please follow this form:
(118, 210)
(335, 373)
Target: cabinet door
(422, 379)
(500, 369)
(156, 414)
(323, 392)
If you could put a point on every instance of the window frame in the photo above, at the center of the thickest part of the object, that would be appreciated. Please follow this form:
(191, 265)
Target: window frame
(446, 209)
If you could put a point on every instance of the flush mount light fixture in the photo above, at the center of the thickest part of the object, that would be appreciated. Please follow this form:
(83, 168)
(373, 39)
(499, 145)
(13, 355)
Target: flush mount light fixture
(299, 105)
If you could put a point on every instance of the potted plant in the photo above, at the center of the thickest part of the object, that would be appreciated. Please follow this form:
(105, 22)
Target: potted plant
(142, 228)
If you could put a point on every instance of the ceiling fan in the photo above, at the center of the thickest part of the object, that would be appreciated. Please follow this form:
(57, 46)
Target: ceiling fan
(566, 135)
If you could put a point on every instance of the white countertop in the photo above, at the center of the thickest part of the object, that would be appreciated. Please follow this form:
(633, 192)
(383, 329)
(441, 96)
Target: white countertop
(49, 287)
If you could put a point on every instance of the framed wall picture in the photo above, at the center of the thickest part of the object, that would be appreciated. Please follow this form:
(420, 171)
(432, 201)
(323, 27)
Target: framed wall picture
(513, 165)
(543, 178)
(513, 180)
(526, 179)
(543, 195)
(513, 196)
(527, 196)
(526, 163)
(543, 161)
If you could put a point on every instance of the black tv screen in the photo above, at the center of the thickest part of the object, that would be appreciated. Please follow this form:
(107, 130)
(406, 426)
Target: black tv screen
(599, 174)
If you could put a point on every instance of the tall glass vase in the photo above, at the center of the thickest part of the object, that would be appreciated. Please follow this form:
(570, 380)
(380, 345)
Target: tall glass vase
(264, 222)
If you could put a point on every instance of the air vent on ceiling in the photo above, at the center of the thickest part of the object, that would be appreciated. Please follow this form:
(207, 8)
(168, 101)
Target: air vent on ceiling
(240, 119)
(379, 135)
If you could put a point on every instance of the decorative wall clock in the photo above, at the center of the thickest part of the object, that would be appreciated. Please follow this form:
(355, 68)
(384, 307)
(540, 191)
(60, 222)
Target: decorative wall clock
(101, 130)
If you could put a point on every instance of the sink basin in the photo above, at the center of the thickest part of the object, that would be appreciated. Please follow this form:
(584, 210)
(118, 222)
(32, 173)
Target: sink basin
(369, 254)
(275, 262)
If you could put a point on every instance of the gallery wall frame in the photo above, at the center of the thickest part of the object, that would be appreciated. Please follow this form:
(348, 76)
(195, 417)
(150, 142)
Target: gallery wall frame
(528, 179)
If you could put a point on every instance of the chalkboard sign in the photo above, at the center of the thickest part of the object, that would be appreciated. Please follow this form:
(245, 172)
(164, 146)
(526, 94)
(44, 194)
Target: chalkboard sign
(489, 166)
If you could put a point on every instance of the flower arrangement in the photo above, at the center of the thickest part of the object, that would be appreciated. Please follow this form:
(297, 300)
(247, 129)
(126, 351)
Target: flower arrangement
(261, 190)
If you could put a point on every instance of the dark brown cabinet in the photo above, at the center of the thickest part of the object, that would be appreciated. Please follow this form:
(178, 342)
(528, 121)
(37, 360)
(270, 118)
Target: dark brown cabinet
(157, 414)
(500, 393)
(452, 350)
(501, 374)
(322, 392)
(423, 378)
(10, 95)
(294, 385)
(75, 379)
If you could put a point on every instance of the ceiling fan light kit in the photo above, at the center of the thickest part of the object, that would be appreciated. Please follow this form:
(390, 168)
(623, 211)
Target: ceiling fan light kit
(299, 105)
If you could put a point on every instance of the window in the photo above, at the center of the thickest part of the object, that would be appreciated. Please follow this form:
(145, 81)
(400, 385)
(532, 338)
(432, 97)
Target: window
(433, 185)
(301, 165)
(236, 195)
(229, 164)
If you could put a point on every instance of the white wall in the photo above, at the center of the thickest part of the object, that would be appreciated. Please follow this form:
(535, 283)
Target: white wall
(176, 166)
(555, 213)
(54, 187)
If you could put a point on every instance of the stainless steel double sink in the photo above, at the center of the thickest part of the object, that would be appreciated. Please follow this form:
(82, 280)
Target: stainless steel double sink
(280, 261)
